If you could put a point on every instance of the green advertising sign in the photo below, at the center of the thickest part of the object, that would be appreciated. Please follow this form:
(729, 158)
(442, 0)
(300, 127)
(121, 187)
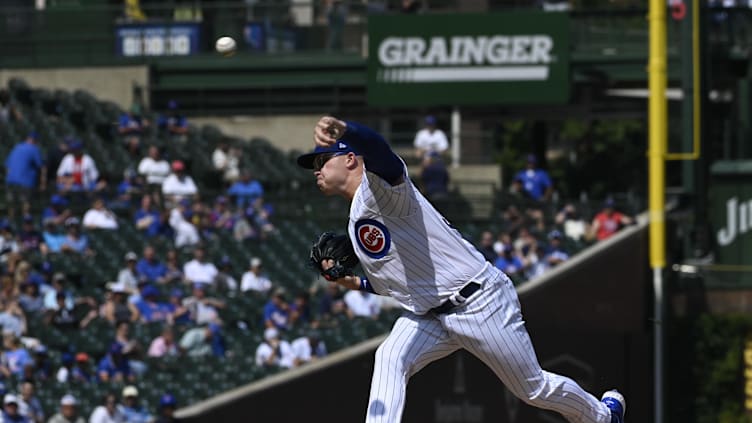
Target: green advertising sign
(731, 214)
(468, 59)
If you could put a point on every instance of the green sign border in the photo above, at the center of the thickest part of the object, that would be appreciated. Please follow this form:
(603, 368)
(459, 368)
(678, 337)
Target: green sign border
(554, 90)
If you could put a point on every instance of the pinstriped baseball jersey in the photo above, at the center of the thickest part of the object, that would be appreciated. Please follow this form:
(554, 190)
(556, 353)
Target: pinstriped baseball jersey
(408, 250)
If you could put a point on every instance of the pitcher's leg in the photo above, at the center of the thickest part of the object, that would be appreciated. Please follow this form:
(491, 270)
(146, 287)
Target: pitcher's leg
(493, 330)
(414, 342)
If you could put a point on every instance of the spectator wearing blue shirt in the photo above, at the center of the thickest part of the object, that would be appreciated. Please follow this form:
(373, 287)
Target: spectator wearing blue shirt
(150, 267)
(131, 126)
(148, 219)
(555, 253)
(10, 410)
(508, 262)
(277, 311)
(53, 236)
(132, 411)
(24, 170)
(434, 176)
(246, 190)
(173, 123)
(115, 366)
(75, 241)
(150, 309)
(16, 357)
(535, 183)
(58, 210)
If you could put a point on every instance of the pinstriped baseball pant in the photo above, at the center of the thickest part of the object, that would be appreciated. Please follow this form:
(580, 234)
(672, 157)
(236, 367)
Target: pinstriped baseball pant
(489, 326)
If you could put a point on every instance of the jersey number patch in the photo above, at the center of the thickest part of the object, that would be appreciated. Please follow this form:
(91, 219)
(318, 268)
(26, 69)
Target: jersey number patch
(373, 238)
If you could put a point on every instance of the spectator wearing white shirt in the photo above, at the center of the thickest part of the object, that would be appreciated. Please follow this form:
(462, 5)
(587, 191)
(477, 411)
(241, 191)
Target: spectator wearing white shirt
(154, 169)
(77, 171)
(363, 304)
(254, 280)
(99, 217)
(430, 139)
(203, 309)
(308, 348)
(227, 161)
(108, 412)
(127, 276)
(199, 270)
(274, 352)
(186, 233)
(178, 185)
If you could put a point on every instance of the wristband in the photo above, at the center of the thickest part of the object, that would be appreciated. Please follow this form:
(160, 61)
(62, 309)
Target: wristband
(365, 286)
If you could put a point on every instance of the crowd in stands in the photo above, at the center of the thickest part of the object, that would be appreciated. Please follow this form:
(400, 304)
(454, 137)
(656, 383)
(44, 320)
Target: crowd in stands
(175, 283)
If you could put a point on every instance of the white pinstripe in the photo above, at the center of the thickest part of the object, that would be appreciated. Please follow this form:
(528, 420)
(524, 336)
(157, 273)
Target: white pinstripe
(425, 263)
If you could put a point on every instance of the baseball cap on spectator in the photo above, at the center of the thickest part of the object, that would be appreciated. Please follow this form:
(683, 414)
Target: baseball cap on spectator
(40, 349)
(221, 199)
(10, 399)
(58, 200)
(341, 146)
(167, 400)
(59, 276)
(72, 221)
(46, 267)
(33, 135)
(532, 159)
(255, 261)
(130, 391)
(280, 292)
(555, 234)
(225, 261)
(178, 165)
(68, 399)
(176, 293)
(430, 120)
(172, 104)
(270, 333)
(609, 203)
(82, 357)
(75, 145)
(66, 358)
(200, 285)
(131, 256)
(28, 218)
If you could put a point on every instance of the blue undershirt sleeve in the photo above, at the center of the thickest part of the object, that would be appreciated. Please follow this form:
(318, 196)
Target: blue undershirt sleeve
(377, 155)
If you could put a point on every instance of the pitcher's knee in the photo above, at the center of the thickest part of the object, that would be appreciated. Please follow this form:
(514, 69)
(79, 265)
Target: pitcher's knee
(386, 360)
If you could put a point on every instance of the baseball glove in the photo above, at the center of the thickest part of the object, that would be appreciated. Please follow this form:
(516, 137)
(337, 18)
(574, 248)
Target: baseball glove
(337, 248)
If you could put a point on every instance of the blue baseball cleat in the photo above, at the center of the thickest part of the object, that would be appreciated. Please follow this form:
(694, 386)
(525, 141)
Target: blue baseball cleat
(616, 403)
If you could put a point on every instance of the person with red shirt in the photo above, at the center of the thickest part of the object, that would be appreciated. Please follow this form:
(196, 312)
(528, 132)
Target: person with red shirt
(608, 221)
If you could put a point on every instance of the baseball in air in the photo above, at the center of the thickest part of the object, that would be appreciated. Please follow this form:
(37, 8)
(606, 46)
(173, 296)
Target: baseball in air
(225, 46)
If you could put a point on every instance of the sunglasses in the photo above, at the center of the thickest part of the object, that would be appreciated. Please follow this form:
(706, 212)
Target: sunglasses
(320, 160)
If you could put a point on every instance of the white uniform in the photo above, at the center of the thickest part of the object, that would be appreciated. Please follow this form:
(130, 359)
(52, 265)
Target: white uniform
(410, 252)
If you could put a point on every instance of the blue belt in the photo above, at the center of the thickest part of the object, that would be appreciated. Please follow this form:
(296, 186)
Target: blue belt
(457, 299)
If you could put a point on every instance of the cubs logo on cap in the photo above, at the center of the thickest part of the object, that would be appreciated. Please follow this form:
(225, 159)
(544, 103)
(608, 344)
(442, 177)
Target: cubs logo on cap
(373, 237)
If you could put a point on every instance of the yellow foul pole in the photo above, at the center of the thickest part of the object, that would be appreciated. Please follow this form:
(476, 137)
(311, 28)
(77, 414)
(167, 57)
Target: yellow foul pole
(658, 116)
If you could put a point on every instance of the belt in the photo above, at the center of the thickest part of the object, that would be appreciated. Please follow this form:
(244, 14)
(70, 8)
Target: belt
(457, 299)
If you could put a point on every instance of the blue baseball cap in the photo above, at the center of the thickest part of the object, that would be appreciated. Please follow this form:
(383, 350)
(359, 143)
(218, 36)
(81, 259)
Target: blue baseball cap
(76, 144)
(306, 160)
(58, 200)
(167, 400)
(430, 120)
